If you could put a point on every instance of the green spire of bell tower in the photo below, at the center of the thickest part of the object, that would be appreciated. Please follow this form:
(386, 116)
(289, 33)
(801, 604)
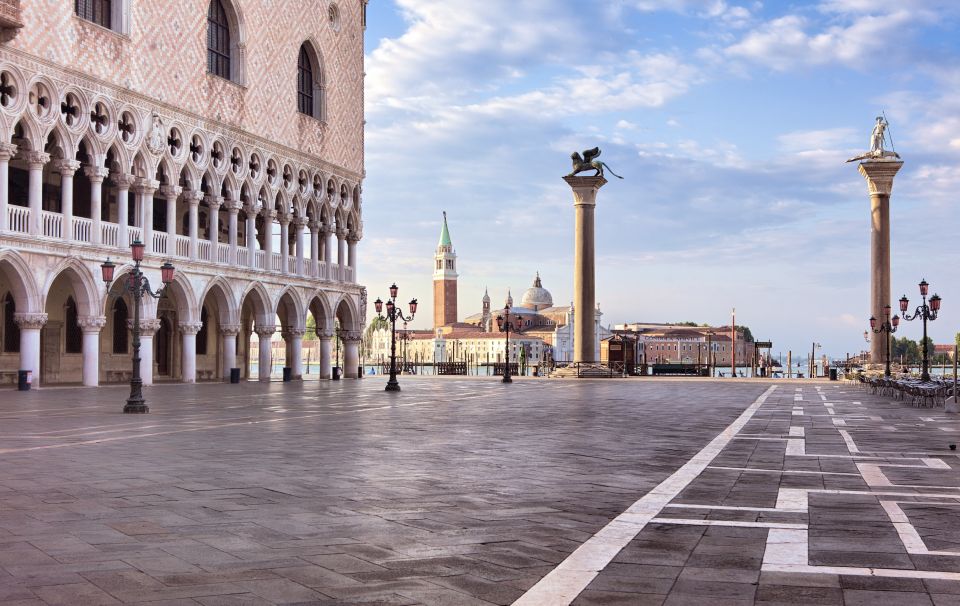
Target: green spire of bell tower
(445, 234)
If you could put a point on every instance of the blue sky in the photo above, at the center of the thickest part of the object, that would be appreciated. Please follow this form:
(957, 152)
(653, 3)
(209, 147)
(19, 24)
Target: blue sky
(731, 123)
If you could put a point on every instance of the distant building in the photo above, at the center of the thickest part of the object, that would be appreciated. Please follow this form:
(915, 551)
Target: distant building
(670, 343)
(945, 350)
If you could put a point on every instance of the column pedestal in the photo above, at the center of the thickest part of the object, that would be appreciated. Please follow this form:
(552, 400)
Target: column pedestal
(584, 267)
(879, 174)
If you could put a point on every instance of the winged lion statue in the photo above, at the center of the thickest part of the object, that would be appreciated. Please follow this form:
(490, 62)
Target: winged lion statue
(589, 162)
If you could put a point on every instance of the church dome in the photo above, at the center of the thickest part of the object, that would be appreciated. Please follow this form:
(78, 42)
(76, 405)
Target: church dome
(537, 297)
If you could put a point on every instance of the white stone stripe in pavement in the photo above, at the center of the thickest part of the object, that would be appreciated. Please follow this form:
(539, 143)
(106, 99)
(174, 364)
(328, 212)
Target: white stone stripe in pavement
(563, 584)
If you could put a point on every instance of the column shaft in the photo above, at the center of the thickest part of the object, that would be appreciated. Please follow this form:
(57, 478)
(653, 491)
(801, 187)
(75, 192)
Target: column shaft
(188, 359)
(326, 355)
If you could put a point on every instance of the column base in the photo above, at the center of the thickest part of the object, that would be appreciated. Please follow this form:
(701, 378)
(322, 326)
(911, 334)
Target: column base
(392, 385)
(137, 408)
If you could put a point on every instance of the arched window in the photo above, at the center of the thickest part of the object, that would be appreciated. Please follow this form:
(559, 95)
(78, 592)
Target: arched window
(73, 335)
(218, 40)
(11, 332)
(304, 82)
(120, 317)
(202, 335)
(97, 11)
(310, 90)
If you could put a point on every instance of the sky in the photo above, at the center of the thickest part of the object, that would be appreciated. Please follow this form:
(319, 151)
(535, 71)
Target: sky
(730, 122)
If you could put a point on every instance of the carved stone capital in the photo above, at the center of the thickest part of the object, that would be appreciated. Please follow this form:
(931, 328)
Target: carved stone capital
(283, 219)
(585, 189)
(148, 326)
(229, 330)
(28, 321)
(214, 202)
(269, 214)
(353, 237)
(879, 175)
(123, 181)
(341, 234)
(351, 336)
(92, 323)
(233, 206)
(36, 160)
(190, 328)
(171, 191)
(193, 197)
(96, 174)
(324, 335)
(67, 168)
(7, 151)
(265, 332)
(293, 332)
(146, 186)
(313, 226)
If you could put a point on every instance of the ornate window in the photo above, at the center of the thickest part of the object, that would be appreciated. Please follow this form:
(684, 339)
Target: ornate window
(120, 336)
(202, 334)
(11, 332)
(310, 88)
(218, 40)
(304, 82)
(97, 11)
(73, 334)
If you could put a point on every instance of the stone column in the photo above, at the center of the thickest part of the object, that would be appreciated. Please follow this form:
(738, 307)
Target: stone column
(148, 328)
(193, 199)
(30, 326)
(7, 151)
(284, 242)
(352, 240)
(96, 174)
(188, 356)
(879, 174)
(298, 234)
(91, 325)
(314, 249)
(584, 267)
(170, 194)
(67, 169)
(341, 250)
(214, 203)
(294, 339)
(251, 238)
(268, 216)
(233, 210)
(145, 190)
(229, 334)
(123, 183)
(331, 245)
(35, 163)
(266, 334)
(326, 353)
(351, 354)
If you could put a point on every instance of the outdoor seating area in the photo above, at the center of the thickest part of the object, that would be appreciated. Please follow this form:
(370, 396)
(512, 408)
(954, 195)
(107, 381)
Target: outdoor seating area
(929, 394)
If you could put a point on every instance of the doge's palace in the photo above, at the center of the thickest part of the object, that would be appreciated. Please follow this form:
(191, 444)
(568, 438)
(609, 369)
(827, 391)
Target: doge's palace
(227, 136)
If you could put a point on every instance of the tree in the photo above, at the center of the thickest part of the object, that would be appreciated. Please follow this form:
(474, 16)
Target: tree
(957, 339)
(747, 335)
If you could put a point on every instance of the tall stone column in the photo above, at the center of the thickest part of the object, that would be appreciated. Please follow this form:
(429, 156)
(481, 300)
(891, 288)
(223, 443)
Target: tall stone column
(284, 243)
(35, 163)
(96, 175)
(351, 354)
(214, 203)
(67, 169)
(30, 326)
(188, 356)
(265, 333)
(268, 216)
(251, 238)
(352, 240)
(233, 211)
(123, 183)
(170, 194)
(326, 353)
(584, 267)
(193, 200)
(148, 328)
(145, 190)
(879, 174)
(228, 333)
(298, 224)
(314, 249)
(7, 151)
(91, 325)
(294, 339)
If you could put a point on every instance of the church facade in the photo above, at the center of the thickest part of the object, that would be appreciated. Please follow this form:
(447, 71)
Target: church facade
(227, 136)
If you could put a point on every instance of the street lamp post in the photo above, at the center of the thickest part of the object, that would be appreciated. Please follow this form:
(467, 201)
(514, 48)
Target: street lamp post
(926, 311)
(506, 325)
(887, 328)
(138, 286)
(393, 314)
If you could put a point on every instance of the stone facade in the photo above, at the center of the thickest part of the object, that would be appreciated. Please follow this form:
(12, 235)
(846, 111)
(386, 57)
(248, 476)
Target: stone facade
(111, 134)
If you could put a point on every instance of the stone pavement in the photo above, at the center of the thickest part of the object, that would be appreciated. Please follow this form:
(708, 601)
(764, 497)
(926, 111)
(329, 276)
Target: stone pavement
(466, 491)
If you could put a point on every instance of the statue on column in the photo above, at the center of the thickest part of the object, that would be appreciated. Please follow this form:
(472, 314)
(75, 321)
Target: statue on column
(878, 137)
(589, 162)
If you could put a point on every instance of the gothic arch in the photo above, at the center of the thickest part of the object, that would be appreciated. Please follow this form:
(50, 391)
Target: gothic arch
(346, 312)
(238, 41)
(319, 306)
(22, 284)
(220, 290)
(263, 309)
(290, 303)
(83, 283)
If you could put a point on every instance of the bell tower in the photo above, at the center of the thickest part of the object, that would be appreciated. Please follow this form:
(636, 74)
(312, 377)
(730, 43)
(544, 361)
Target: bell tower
(444, 280)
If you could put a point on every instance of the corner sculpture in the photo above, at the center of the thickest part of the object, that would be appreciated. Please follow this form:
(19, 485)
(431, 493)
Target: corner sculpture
(589, 162)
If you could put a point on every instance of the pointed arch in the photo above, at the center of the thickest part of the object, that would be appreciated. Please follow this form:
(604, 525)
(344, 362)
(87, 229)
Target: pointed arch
(27, 134)
(346, 312)
(23, 286)
(311, 81)
(226, 41)
(319, 306)
(81, 280)
(184, 298)
(289, 307)
(259, 298)
(223, 294)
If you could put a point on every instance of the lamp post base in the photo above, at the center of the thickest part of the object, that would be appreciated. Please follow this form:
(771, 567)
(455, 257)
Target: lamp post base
(392, 385)
(133, 407)
(507, 379)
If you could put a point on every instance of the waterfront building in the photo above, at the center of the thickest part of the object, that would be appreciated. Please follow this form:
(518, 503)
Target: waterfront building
(671, 344)
(226, 135)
